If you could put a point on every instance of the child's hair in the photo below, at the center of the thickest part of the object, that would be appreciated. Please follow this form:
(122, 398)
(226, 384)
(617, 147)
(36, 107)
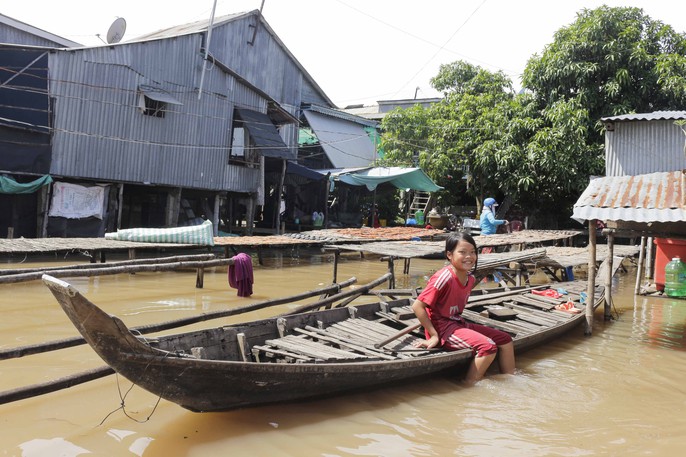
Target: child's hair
(454, 238)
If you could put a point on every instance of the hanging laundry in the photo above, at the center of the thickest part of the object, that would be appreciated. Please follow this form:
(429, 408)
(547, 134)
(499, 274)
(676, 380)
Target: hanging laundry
(241, 275)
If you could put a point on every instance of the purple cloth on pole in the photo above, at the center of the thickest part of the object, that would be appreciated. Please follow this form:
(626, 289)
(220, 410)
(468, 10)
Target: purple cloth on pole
(240, 274)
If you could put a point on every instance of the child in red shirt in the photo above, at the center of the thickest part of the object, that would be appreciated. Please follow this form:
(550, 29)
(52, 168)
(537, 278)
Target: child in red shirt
(439, 309)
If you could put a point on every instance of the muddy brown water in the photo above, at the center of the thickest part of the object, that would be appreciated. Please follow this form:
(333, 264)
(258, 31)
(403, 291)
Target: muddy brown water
(619, 392)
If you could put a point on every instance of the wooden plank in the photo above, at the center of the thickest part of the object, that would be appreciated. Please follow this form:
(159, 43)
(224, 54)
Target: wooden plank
(270, 352)
(527, 301)
(313, 349)
(325, 336)
(545, 299)
(505, 326)
(544, 316)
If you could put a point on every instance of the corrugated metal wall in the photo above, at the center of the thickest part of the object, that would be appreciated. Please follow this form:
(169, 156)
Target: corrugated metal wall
(265, 63)
(640, 147)
(101, 134)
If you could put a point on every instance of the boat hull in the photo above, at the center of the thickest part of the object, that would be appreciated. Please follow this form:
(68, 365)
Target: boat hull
(173, 369)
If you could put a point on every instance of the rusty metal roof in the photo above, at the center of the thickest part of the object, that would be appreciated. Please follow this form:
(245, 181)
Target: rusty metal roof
(654, 197)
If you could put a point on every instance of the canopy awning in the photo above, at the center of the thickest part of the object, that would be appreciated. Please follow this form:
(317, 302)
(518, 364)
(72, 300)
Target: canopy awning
(301, 170)
(346, 143)
(264, 134)
(402, 178)
(158, 94)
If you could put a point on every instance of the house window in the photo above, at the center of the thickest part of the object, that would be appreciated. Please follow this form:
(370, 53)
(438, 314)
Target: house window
(152, 107)
(241, 152)
(155, 101)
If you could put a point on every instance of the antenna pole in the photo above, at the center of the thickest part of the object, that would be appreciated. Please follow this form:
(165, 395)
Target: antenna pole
(207, 48)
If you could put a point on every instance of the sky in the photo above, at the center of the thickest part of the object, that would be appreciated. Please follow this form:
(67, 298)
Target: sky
(358, 51)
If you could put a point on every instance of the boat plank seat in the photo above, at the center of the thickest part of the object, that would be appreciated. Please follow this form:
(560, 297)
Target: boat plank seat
(313, 349)
(331, 338)
(545, 316)
(262, 353)
(532, 302)
(370, 333)
(504, 326)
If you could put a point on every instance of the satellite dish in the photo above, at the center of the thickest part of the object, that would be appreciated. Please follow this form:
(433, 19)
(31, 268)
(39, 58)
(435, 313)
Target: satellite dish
(116, 31)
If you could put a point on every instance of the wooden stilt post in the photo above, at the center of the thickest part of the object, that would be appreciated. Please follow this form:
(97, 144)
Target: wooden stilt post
(649, 265)
(608, 276)
(391, 270)
(590, 292)
(336, 255)
(200, 278)
(641, 266)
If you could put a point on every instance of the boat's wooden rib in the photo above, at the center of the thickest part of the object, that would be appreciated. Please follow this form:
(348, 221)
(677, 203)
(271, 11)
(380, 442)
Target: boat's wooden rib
(297, 356)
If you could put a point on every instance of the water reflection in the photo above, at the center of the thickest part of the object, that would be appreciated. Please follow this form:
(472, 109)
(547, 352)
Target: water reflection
(662, 322)
(619, 392)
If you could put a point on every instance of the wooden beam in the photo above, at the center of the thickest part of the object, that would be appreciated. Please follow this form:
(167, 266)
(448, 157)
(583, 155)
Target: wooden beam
(590, 293)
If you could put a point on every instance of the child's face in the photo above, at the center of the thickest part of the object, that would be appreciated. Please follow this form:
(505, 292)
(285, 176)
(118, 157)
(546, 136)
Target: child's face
(463, 257)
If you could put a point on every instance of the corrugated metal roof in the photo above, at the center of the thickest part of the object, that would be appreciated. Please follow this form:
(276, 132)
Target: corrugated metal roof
(341, 115)
(191, 27)
(654, 197)
(28, 34)
(654, 116)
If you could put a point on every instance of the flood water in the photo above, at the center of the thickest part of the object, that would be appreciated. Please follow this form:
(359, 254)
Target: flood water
(618, 392)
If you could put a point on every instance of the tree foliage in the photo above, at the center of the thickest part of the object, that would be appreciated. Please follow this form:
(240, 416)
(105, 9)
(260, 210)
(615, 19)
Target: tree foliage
(541, 146)
(613, 61)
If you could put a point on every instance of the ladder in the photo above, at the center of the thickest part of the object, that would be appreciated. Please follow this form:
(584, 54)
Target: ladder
(420, 201)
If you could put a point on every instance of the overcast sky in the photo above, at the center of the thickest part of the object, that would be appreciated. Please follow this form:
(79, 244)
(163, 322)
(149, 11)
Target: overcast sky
(358, 51)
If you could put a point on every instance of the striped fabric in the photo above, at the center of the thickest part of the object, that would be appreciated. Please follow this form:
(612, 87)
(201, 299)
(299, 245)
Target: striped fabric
(197, 234)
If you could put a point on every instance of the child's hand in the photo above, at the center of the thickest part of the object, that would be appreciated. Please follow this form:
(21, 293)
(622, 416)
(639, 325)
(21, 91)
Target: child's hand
(430, 343)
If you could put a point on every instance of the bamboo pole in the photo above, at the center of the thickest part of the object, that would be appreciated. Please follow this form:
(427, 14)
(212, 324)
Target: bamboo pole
(608, 277)
(107, 270)
(85, 266)
(403, 332)
(151, 328)
(34, 390)
(354, 292)
(590, 292)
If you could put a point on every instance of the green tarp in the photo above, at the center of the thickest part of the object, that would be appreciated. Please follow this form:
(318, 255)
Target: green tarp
(402, 178)
(10, 186)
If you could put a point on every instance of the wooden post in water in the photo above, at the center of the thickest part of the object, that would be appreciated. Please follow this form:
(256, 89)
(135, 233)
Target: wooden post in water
(641, 266)
(590, 292)
(391, 270)
(608, 276)
(200, 278)
(336, 255)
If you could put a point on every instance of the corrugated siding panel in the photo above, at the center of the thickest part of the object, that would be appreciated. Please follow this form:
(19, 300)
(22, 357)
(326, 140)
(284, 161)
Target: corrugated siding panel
(635, 148)
(265, 64)
(101, 134)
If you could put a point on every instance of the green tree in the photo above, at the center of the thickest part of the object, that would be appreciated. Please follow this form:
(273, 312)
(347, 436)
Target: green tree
(469, 134)
(612, 61)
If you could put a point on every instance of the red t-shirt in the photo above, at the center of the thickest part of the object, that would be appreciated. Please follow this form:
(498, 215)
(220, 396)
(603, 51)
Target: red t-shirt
(445, 296)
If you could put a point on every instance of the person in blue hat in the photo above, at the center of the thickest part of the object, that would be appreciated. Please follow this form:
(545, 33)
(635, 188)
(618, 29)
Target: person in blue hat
(489, 224)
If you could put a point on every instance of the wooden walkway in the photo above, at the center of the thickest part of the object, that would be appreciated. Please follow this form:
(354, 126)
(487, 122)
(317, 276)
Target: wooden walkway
(96, 248)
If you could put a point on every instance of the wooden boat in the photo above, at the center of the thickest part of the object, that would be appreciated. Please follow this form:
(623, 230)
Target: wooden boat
(305, 355)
